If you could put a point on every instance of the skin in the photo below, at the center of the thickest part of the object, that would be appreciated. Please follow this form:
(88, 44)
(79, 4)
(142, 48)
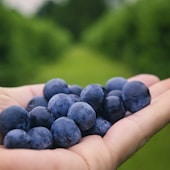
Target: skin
(93, 152)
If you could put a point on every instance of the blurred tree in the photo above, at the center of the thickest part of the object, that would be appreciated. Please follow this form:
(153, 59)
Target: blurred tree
(25, 44)
(138, 34)
(75, 15)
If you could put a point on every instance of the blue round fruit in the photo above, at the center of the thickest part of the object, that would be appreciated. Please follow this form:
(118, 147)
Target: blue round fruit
(65, 132)
(113, 109)
(83, 114)
(136, 96)
(17, 138)
(14, 117)
(41, 138)
(115, 83)
(36, 101)
(59, 104)
(55, 86)
(93, 94)
(40, 116)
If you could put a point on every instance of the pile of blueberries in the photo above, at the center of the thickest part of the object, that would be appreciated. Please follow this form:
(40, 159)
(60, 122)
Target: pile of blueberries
(66, 113)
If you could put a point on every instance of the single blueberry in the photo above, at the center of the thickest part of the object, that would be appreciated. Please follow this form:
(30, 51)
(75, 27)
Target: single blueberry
(41, 138)
(40, 116)
(75, 89)
(59, 104)
(117, 93)
(36, 101)
(100, 127)
(136, 96)
(83, 114)
(75, 98)
(115, 83)
(65, 132)
(14, 117)
(17, 138)
(113, 109)
(93, 94)
(55, 86)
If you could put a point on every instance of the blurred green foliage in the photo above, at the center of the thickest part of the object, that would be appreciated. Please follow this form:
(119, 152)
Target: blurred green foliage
(75, 15)
(82, 66)
(25, 44)
(137, 34)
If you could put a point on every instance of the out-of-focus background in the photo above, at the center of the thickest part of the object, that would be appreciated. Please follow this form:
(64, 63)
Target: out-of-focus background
(88, 41)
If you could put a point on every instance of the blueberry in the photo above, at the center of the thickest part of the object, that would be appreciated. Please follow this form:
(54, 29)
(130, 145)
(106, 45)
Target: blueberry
(59, 104)
(115, 83)
(65, 132)
(40, 116)
(136, 96)
(83, 114)
(100, 127)
(17, 138)
(117, 93)
(14, 117)
(113, 109)
(55, 86)
(93, 94)
(41, 138)
(75, 89)
(36, 101)
(75, 98)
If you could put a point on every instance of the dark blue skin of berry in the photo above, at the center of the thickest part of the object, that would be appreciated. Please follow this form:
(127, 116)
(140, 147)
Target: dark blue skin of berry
(100, 127)
(40, 116)
(14, 117)
(75, 89)
(59, 104)
(93, 94)
(136, 96)
(55, 86)
(75, 98)
(41, 138)
(36, 101)
(17, 138)
(115, 83)
(83, 114)
(113, 109)
(117, 93)
(65, 132)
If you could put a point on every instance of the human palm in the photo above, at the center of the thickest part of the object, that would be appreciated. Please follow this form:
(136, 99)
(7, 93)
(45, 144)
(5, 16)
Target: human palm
(93, 152)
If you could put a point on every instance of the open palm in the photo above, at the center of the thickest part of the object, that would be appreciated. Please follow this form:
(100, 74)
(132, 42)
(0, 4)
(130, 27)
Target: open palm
(93, 152)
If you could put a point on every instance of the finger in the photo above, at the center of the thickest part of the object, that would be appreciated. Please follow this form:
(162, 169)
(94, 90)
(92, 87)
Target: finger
(129, 134)
(147, 79)
(159, 88)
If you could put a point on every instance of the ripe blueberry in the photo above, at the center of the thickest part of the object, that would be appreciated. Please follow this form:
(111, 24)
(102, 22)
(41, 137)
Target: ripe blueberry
(40, 116)
(55, 86)
(115, 83)
(17, 138)
(65, 132)
(14, 117)
(83, 114)
(93, 94)
(36, 101)
(113, 109)
(41, 138)
(136, 96)
(59, 104)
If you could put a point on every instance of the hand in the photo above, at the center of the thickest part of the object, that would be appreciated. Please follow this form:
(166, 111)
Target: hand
(123, 139)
